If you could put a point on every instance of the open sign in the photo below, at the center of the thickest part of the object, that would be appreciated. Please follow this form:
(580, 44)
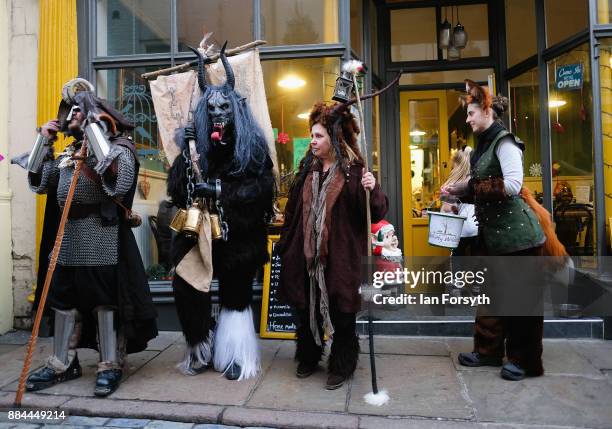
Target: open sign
(569, 77)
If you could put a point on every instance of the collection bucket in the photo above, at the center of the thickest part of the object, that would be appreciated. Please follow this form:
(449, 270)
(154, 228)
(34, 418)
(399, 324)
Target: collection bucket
(445, 229)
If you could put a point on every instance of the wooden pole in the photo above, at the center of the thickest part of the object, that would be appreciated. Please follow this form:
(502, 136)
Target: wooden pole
(185, 66)
(52, 263)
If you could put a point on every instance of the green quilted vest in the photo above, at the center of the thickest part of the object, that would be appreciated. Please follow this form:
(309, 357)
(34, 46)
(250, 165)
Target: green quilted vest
(506, 226)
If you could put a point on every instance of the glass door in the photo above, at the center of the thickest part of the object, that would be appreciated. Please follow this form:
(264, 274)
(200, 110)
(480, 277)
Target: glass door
(425, 166)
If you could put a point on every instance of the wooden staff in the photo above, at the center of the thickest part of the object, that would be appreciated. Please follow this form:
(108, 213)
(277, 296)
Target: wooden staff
(211, 59)
(52, 263)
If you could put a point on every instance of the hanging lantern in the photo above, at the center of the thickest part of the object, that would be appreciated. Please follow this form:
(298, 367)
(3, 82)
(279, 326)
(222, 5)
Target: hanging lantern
(445, 33)
(453, 52)
(460, 36)
(343, 91)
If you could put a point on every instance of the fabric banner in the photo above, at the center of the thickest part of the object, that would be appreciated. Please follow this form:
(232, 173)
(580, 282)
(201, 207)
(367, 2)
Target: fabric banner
(174, 96)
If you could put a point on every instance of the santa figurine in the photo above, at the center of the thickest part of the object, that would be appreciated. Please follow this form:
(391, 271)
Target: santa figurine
(385, 242)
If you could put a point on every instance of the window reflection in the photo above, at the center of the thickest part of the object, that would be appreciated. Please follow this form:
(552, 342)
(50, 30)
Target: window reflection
(292, 87)
(126, 27)
(230, 20)
(571, 134)
(297, 22)
(131, 95)
(525, 124)
(520, 30)
(565, 18)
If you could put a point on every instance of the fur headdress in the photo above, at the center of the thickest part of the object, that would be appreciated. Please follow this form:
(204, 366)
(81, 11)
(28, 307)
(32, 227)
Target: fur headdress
(476, 94)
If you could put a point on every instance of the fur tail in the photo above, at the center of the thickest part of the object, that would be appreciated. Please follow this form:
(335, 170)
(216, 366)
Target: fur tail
(552, 246)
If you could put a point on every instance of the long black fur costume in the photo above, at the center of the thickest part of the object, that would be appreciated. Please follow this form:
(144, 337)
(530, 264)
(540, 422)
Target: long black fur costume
(244, 167)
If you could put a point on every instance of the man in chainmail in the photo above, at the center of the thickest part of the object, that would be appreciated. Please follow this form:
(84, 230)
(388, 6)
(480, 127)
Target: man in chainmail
(98, 301)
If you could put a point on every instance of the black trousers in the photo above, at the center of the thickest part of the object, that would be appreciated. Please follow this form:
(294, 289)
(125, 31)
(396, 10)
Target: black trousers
(345, 344)
(520, 337)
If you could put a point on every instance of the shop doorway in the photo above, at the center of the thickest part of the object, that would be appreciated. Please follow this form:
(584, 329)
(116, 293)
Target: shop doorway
(432, 128)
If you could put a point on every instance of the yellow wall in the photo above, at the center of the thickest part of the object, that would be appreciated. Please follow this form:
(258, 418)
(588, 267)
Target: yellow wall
(57, 63)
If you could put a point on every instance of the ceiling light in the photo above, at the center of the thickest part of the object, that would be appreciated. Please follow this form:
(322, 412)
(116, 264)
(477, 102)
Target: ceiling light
(417, 133)
(291, 82)
(556, 103)
(303, 115)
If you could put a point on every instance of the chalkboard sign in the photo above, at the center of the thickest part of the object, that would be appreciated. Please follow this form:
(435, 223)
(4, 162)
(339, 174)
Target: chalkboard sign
(277, 319)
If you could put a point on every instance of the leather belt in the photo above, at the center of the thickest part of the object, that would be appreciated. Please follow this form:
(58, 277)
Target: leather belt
(81, 211)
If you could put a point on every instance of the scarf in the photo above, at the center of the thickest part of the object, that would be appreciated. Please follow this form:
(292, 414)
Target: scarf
(484, 139)
(316, 229)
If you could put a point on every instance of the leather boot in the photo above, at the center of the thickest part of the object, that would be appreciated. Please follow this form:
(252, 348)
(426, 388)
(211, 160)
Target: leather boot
(474, 359)
(48, 376)
(107, 382)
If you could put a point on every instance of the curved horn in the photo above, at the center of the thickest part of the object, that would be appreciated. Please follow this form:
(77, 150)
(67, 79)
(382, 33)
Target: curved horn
(229, 73)
(341, 106)
(201, 74)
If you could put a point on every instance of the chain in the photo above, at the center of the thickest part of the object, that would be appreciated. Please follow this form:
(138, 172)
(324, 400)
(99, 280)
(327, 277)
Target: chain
(190, 183)
(224, 225)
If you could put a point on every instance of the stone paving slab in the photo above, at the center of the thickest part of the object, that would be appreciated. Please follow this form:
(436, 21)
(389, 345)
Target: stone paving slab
(280, 388)
(127, 423)
(6, 348)
(396, 423)
(418, 386)
(559, 357)
(164, 340)
(599, 353)
(12, 362)
(180, 412)
(33, 400)
(160, 380)
(17, 337)
(552, 400)
(418, 346)
(288, 419)
(84, 385)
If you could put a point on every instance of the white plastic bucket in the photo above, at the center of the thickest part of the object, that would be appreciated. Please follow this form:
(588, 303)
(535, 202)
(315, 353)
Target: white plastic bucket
(445, 229)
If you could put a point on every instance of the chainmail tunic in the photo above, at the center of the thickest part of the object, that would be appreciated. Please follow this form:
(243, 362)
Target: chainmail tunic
(86, 241)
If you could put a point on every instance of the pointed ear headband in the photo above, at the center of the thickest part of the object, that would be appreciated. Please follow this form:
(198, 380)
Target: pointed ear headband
(476, 94)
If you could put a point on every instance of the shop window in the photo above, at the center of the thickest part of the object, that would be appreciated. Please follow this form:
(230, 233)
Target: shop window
(292, 87)
(521, 38)
(605, 76)
(230, 20)
(571, 135)
(298, 22)
(449, 76)
(524, 121)
(128, 27)
(413, 34)
(373, 36)
(604, 11)
(357, 27)
(131, 95)
(564, 19)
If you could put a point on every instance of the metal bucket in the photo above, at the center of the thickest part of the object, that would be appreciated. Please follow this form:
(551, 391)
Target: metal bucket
(445, 229)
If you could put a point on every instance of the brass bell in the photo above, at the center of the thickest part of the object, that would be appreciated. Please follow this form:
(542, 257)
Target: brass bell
(215, 227)
(178, 220)
(193, 222)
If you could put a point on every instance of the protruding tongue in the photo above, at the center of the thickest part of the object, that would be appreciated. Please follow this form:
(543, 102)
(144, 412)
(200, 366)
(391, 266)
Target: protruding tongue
(217, 134)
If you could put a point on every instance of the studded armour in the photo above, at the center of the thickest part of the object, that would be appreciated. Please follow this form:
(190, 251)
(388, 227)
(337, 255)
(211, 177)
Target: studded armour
(87, 242)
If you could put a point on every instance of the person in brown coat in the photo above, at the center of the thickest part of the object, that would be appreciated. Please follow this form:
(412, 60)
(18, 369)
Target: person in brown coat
(324, 239)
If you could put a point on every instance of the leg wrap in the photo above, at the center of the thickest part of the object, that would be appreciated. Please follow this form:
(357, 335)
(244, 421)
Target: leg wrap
(111, 357)
(66, 335)
(236, 343)
(307, 351)
(345, 345)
